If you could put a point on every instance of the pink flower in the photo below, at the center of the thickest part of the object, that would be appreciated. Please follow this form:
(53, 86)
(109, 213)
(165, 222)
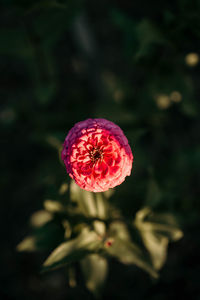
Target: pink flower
(97, 155)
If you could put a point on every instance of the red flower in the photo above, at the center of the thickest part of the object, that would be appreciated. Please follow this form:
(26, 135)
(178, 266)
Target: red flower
(97, 155)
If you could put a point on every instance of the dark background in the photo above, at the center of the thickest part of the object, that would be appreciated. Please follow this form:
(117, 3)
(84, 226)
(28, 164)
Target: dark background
(65, 61)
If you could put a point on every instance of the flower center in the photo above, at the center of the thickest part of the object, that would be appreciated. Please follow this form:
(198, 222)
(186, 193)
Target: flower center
(96, 154)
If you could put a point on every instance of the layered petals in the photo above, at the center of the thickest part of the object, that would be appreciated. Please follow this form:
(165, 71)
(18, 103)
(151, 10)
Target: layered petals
(97, 155)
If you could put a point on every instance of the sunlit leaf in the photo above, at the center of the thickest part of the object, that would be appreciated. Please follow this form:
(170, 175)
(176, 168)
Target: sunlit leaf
(53, 206)
(68, 229)
(109, 193)
(84, 199)
(95, 269)
(120, 245)
(129, 253)
(63, 188)
(118, 229)
(89, 204)
(43, 237)
(157, 247)
(156, 231)
(99, 227)
(28, 244)
(73, 250)
(40, 218)
(160, 222)
(101, 206)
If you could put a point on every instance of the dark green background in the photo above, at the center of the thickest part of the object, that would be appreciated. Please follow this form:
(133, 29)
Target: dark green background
(65, 61)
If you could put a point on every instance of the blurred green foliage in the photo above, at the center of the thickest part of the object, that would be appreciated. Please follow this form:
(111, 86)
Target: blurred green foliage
(92, 230)
(136, 64)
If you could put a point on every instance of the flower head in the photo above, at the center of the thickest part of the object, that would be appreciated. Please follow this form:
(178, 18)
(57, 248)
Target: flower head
(97, 155)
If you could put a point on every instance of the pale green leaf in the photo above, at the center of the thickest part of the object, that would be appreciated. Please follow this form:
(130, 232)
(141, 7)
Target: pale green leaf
(40, 217)
(156, 231)
(99, 227)
(95, 269)
(101, 205)
(84, 199)
(129, 253)
(53, 206)
(46, 234)
(28, 244)
(73, 250)
(90, 204)
(119, 229)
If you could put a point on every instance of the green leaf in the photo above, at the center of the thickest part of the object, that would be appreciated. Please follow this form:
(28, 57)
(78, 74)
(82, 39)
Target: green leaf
(95, 269)
(101, 205)
(45, 236)
(84, 199)
(156, 231)
(73, 250)
(89, 204)
(53, 206)
(99, 227)
(40, 218)
(118, 229)
(125, 250)
(129, 253)
(28, 244)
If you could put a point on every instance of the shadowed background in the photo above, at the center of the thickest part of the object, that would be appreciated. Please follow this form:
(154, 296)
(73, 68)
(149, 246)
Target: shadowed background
(134, 63)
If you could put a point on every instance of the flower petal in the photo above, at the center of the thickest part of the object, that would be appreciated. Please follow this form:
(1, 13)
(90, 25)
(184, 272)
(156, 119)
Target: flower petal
(97, 155)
